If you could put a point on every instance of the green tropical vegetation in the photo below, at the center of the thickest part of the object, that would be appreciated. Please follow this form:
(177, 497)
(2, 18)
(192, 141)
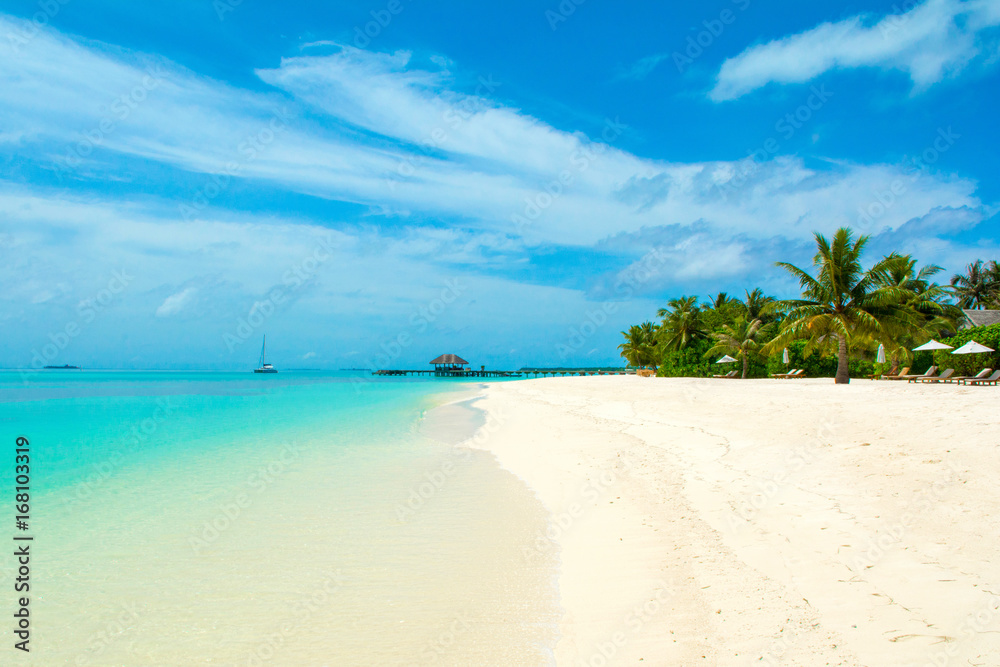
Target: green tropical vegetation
(979, 286)
(846, 310)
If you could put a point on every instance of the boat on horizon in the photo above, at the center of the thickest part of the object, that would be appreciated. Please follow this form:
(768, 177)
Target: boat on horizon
(264, 366)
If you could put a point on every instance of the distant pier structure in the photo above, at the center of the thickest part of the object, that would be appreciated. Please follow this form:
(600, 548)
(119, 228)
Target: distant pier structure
(452, 366)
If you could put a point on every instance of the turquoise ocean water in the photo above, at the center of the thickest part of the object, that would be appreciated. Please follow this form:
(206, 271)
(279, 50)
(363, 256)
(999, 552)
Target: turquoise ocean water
(304, 518)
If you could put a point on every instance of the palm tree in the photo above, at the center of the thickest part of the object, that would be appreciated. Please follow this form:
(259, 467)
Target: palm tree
(639, 348)
(720, 300)
(843, 303)
(681, 323)
(994, 270)
(931, 315)
(739, 338)
(757, 304)
(977, 286)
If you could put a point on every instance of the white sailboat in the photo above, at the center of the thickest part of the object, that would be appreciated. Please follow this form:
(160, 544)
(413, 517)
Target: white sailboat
(264, 367)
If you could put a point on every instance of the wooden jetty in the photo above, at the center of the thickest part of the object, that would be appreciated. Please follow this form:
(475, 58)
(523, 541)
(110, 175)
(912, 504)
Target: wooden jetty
(454, 366)
(545, 372)
(467, 373)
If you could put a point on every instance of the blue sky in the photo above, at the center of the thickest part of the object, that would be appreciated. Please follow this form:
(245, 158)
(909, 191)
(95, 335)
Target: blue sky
(372, 184)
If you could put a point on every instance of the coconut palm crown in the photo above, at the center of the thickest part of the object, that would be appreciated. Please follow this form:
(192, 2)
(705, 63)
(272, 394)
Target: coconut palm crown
(739, 338)
(843, 304)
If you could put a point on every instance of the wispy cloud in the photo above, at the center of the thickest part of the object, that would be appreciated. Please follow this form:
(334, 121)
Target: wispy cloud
(399, 137)
(930, 42)
(175, 303)
(393, 133)
(642, 68)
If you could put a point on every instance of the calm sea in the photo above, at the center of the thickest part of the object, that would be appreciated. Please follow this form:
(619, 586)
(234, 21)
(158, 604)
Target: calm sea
(304, 518)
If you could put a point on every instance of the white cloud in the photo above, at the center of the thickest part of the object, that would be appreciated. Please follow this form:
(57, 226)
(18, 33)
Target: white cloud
(374, 129)
(354, 119)
(175, 303)
(930, 42)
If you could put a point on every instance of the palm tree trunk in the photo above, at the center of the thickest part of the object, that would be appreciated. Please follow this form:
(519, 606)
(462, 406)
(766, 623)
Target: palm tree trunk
(843, 372)
(895, 365)
(745, 362)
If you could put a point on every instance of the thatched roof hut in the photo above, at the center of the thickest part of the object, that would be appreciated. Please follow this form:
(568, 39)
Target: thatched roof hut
(450, 360)
(980, 318)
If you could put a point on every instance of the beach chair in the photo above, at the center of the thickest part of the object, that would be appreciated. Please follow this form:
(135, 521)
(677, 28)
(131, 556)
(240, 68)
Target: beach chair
(782, 376)
(901, 373)
(796, 376)
(929, 373)
(978, 376)
(940, 378)
(993, 379)
(730, 374)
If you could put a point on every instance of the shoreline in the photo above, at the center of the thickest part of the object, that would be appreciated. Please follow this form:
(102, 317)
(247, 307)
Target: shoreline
(697, 522)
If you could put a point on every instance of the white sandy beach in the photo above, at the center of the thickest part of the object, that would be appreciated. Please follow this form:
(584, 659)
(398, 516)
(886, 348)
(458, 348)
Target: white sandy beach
(759, 522)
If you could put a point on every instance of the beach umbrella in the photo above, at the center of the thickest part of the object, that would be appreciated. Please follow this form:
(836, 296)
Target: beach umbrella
(725, 360)
(932, 345)
(972, 347)
(785, 358)
(880, 357)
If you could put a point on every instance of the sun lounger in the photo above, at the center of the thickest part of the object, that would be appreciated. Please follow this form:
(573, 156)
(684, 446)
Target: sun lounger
(978, 376)
(901, 373)
(929, 373)
(730, 374)
(784, 376)
(940, 378)
(993, 379)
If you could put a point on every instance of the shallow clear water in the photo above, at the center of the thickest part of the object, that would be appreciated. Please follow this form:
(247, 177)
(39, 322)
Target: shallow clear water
(297, 519)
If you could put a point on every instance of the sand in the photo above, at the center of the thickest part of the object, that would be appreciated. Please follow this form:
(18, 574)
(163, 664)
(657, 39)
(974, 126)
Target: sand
(761, 522)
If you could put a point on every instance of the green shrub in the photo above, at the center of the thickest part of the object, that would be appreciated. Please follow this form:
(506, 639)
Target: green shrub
(691, 362)
(970, 364)
(816, 365)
